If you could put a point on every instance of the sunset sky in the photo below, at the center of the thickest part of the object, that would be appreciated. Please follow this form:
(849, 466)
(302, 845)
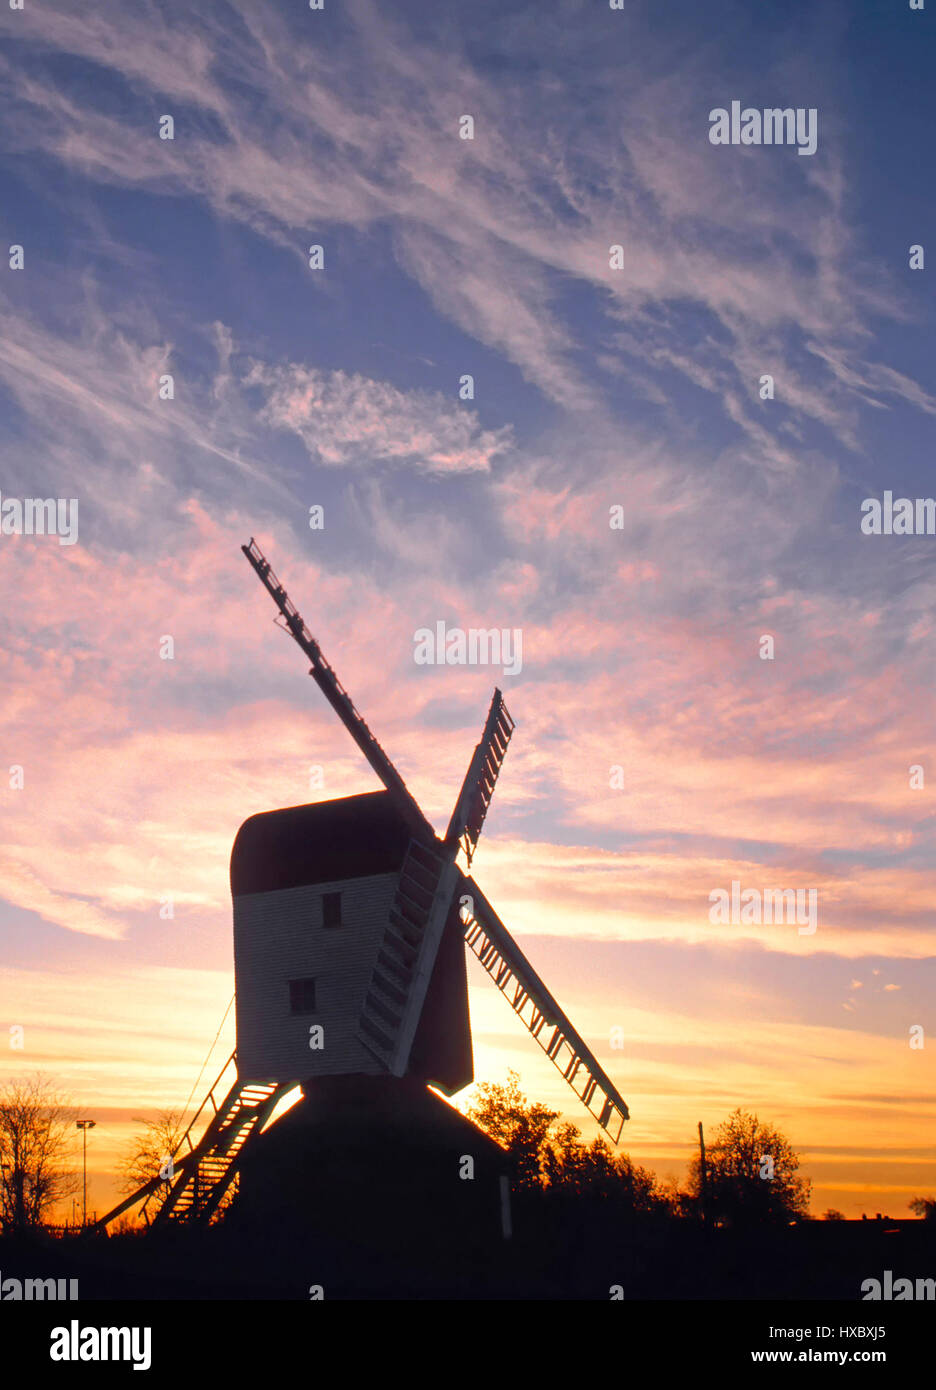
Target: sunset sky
(595, 388)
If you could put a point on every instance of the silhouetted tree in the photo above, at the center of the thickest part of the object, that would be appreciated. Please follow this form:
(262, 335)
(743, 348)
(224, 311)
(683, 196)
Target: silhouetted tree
(147, 1153)
(751, 1174)
(925, 1207)
(594, 1170)
(575, 1167)
(833, 1214)
(37, 1141)
(520, 1125)
(552, 1157)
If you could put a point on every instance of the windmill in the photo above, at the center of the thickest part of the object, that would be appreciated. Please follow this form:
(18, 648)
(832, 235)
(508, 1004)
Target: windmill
(350, 922)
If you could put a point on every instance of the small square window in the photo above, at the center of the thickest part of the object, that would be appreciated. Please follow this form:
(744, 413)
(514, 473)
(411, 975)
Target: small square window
(302, 996)
(331, 909)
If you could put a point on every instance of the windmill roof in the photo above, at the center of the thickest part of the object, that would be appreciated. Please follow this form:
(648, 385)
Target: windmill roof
(318, 843)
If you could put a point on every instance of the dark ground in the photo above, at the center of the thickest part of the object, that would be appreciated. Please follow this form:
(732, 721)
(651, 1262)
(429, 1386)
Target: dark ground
(577, 1253)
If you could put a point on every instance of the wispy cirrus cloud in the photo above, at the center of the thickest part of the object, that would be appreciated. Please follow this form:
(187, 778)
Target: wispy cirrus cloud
(345, 418)
(494, 229)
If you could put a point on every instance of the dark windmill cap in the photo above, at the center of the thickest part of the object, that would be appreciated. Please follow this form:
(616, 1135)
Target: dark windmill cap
(320, 843)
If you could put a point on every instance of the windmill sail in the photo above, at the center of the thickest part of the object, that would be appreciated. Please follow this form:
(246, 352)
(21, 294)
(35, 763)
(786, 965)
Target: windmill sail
(390, 1015)
(428, 884)
(403, 968)
(338, 697)
(478, 787)
(532, 1002)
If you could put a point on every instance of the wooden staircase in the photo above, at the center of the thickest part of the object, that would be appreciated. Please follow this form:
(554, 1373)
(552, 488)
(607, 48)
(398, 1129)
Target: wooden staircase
(200, 1173)
(199, 1190)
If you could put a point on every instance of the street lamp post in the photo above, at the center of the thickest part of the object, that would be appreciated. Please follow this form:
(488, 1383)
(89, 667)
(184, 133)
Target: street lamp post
(84, 1126)
(5, 1168)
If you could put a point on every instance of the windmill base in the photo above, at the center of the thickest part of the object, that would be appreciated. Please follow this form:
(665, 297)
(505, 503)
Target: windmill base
(381, 1163)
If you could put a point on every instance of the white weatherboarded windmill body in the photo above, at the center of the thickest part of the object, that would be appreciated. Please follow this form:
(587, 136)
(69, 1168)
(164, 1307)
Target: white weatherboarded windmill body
(350, 922)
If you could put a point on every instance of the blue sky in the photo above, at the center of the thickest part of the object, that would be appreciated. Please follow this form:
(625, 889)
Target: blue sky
(593, 387)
